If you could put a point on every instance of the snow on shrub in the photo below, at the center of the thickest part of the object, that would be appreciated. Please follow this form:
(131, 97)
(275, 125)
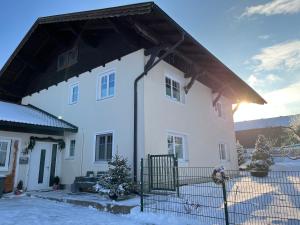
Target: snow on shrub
(261, 157)
(118, 181)
(240, 152)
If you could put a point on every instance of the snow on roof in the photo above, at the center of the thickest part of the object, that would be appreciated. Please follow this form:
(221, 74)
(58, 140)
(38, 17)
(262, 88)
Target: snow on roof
(27, 114)
(264, 123)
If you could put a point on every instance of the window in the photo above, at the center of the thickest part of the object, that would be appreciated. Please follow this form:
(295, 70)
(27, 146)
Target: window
(74, 94)
(72, 149)
(223, 152)
(176, 145)
(67, 59)
(106, 85)
(4, 154)
(218, 109)
(103, 148)
(172, 89)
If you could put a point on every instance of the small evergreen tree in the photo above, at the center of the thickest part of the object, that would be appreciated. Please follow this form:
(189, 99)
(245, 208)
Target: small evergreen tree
(240, 153)
(261, 158)
(118, 181)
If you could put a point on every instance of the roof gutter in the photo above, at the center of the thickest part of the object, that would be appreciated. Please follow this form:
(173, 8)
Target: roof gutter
(135, 127)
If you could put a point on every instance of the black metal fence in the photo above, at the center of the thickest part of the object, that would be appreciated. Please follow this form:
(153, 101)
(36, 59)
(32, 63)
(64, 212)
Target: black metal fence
(242, 199)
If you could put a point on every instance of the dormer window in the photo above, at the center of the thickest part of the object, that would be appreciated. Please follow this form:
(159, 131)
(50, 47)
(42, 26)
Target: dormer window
(67, 59)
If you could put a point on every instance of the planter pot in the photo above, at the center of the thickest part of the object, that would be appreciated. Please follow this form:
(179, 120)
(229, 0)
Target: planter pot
(113, 196)
(259, 173)
(1, 185)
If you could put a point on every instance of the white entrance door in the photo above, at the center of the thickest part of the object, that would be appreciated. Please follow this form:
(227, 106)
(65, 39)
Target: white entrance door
(39, 168)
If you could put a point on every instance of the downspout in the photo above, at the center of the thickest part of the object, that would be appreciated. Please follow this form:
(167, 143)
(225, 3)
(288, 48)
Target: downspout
(146, 70)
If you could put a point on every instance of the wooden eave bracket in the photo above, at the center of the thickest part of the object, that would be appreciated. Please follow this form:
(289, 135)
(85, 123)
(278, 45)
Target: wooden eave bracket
(195, 76)
(236, 107)
(220, 92)
(154, 52)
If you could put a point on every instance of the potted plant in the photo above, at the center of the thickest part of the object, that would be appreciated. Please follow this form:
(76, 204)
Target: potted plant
(56, 182)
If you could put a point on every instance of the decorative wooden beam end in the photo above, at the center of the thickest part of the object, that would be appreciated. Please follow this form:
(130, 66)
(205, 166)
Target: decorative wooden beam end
(192, 81)
(236, 108)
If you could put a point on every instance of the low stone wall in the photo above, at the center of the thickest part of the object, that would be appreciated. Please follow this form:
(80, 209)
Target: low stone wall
(105, 207)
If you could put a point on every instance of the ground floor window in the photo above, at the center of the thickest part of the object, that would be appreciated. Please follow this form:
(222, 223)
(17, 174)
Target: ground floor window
(176, 145)
(223, 152)
(4, 154)
(103, 147)
(72, 149)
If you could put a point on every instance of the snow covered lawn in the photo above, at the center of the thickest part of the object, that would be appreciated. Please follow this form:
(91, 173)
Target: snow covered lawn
(270, 200)
(34, 211)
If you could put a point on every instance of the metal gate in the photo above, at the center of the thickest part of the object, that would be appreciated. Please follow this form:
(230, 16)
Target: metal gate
(163, 172)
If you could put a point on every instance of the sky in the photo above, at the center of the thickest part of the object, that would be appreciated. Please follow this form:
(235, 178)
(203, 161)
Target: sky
(259, 40)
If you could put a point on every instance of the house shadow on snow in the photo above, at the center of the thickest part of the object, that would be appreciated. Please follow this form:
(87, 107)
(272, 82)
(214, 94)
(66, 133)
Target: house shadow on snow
(271, 200)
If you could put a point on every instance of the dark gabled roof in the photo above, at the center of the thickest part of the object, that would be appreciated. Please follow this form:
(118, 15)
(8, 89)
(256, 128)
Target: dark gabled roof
(142, 25)
(275, 122)
(30, 119)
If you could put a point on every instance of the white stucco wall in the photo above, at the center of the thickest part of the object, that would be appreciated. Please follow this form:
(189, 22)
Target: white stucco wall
(91, 116)
(195, 119)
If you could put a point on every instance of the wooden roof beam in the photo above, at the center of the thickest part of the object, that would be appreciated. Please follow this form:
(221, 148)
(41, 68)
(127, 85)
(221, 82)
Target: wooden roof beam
(31, 63)
(195, 77)
(128, 37)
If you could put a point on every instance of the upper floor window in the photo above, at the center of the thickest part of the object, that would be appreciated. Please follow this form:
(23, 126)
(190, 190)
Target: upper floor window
(173, 89)
(106, 85)
(74, 93)
(103, 147)
(4, 154)
(223, 152)
(219, 109)
(176, 145)
(67, 59)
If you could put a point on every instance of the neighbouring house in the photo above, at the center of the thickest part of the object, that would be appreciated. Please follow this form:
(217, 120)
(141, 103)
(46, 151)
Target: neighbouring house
(128, 80)
(272, 128)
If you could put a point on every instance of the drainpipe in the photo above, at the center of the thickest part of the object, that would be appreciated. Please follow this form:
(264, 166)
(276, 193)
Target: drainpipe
(146, 70)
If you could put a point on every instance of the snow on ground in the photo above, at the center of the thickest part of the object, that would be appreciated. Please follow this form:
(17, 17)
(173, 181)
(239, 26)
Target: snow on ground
(34, 211)
(286, 164)
(270, 200)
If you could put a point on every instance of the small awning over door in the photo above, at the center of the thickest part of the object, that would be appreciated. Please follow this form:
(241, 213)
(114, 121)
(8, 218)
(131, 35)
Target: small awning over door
(30, 119)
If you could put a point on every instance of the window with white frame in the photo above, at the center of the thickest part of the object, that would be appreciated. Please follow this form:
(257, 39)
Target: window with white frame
(173, 89)
(106, 85)
(74, 93)
(223, 152)
(219, 109)
(4, 154)
(72, 149)
(103, 147)
(176, 145)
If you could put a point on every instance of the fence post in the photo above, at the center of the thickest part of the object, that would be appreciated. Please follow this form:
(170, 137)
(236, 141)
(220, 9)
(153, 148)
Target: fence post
(142, 185)
(177, 176)
(225, 202)
(149, 173)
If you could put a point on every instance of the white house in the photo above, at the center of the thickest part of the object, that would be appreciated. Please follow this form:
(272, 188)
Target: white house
(127, 80)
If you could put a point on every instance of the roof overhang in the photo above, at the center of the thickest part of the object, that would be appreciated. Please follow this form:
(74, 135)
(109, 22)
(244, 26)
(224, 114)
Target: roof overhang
(142, 25)
(30, 119)
(32, 128)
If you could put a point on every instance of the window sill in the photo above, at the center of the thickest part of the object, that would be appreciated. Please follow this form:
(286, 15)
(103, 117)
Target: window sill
(100, 99)
(3, 169)
(70, 158)
(101, 162)
(73, 103)
(174, 100)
